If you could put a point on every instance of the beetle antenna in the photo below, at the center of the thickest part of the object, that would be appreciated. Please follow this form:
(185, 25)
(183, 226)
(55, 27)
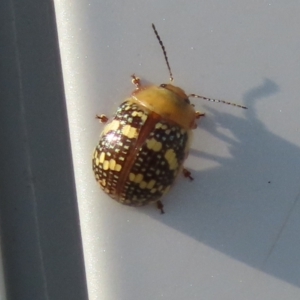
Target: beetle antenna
(216, 100)
(164, 51)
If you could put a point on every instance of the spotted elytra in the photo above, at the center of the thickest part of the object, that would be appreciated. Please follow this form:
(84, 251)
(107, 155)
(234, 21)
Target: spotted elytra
(142, 149)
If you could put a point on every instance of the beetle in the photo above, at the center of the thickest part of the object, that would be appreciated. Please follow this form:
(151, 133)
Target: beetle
(142, 149)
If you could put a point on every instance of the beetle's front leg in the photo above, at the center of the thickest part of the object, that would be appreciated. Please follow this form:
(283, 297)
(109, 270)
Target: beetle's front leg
(199, 114)
(136, 81)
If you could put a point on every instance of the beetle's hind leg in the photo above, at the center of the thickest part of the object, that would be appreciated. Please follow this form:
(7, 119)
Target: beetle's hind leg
(160, 206)
(187, 174)
(102, 118)
(136, 81)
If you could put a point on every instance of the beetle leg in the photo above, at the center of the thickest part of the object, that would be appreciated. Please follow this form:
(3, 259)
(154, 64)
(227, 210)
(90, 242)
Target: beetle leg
(136, 81)
(102, 118)
(160, 206)
(199, 114)
(187, 174)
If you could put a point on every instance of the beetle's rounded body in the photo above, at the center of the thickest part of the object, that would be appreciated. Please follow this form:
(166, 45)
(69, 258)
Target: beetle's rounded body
(142, 150)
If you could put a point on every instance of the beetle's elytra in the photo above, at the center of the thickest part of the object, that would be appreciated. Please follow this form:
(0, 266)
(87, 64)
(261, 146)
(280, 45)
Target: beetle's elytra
(142, 149)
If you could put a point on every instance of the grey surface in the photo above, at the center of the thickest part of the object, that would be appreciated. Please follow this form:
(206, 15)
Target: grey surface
(41, 242)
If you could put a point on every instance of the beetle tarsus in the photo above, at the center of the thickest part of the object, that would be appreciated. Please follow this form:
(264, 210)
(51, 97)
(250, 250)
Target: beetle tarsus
(160, 206)
(187, 174)
(199, 114)
(136, 81)
(102, 118)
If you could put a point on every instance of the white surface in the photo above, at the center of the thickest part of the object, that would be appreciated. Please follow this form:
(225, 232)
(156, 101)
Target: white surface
(234, 232)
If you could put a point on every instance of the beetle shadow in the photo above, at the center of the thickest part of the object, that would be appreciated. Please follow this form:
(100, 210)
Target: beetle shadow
(245, 207)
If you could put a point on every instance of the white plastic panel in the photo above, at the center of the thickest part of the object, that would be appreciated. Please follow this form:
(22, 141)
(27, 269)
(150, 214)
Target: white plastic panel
(232, 233)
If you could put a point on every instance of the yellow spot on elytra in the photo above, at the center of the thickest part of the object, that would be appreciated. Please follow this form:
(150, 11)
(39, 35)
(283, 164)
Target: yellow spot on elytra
(106, 165)
(102, 182)
(138, 114)
(143, 184)
(138, 178)
(153, 191)
(95, 153)
(171, 158)
(114, 125)
(154, 145)
(102, 157)
(112, 164)
(166, 190)
(129, 131)
(118, 167)
(131, 177)
(151, 184)
(162, 126)
(144, 117)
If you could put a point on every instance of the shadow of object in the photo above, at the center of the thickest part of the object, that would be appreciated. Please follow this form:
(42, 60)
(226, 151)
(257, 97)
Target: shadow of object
(247, 206)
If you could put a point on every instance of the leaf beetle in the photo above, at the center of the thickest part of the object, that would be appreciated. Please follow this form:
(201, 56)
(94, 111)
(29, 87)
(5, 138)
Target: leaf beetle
(142, 149)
